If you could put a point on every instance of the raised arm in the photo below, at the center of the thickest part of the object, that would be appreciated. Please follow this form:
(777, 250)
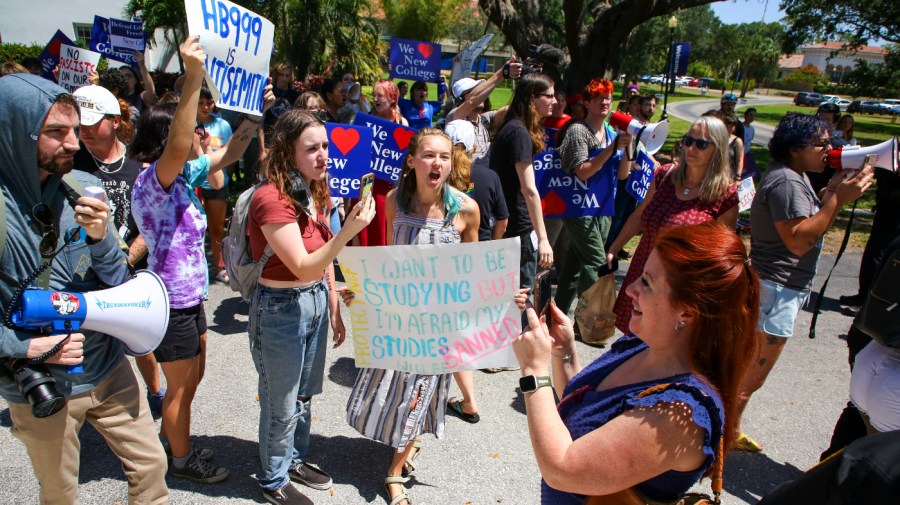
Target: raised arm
(149, 93)
(481, 92)
(237, 144)
(181, 132)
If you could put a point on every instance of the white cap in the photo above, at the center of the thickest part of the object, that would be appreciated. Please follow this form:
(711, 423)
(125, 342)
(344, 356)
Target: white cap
(96, 102)
(463, 85)
(461, 131)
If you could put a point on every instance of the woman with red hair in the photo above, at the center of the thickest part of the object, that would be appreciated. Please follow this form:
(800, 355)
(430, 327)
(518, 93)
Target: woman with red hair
(651, 414)
(589, 149)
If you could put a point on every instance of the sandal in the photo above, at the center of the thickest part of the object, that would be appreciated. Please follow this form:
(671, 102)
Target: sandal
(409, 467)
(454, 407)
(392, 479)
(746, 444)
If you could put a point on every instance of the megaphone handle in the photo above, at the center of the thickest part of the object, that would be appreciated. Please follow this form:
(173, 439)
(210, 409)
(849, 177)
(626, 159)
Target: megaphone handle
(637, 140)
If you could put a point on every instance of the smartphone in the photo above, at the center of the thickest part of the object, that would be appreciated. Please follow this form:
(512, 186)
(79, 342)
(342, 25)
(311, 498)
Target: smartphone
(541, 292)
(870, 159)
(608, 268)
(365, 186)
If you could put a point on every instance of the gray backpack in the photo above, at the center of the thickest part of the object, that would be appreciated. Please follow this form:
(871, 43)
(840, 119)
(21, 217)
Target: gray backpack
(243, 272)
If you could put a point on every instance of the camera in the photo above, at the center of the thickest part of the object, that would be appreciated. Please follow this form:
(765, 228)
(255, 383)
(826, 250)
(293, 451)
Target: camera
(36, 384)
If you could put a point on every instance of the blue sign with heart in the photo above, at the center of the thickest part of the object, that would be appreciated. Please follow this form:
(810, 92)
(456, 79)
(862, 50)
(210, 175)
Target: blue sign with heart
(349, 158)
(389, 144)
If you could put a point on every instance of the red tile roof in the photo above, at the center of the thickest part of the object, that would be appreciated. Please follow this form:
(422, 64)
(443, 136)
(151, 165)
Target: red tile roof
(839, 46)
(790, 61)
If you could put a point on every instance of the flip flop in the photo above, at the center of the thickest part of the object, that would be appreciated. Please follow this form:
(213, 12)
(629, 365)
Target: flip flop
(746, 444)
(455, 408)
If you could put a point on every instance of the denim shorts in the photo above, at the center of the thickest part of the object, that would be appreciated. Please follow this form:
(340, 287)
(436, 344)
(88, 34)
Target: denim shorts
(778, 308)
(182, 338)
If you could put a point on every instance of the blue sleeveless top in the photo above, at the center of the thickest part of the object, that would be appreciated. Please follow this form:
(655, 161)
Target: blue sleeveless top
(583, 410)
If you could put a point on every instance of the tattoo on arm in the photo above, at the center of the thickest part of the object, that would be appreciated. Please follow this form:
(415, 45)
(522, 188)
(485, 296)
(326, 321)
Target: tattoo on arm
(771, 339)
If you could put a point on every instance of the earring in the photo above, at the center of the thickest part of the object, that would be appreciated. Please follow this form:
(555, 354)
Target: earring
(679, 325)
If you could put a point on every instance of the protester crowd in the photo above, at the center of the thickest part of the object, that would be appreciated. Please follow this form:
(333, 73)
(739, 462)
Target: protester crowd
(704, 319)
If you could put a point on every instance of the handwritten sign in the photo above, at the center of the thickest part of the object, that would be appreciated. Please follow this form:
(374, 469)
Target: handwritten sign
(414, 60)
(389, 143)
(434, 309)
(349, 158)
(49, 57)
(101, 43)
(238, 45)
(746, 192)
(641, 177)
(75, 66)
(462, 64)
(564, 195)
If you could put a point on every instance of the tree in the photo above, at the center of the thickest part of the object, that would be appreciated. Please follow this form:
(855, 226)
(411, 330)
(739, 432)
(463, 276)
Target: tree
(593, 31)
(854, 21)
(167, 15)
(423, 19)
(882, 81)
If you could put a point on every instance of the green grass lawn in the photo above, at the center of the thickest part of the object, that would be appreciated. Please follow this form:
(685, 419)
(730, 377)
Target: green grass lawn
(869, 130)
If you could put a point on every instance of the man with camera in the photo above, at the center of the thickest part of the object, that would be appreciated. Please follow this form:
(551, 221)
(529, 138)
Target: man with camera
(52, 237)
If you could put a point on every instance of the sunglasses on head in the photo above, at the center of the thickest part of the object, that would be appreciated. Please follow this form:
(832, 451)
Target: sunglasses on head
(200, 129)
(699, 143)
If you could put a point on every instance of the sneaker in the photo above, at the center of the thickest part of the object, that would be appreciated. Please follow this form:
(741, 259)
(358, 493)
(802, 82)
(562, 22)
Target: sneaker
(310, 476)
(287, 495)
(204, 454)
(156, 402)
(852, 300)
(200, 470)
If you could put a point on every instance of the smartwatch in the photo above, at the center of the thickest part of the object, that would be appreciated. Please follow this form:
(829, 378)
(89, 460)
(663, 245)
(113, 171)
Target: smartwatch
(531, 383)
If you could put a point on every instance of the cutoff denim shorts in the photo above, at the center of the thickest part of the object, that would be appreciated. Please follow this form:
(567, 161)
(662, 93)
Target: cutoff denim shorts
(778, 308)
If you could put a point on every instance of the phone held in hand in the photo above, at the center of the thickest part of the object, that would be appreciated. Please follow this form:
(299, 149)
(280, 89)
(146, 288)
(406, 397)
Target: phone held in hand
(542, 291)
(365, 187)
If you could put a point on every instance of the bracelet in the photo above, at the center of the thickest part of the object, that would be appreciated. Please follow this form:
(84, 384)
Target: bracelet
(567, 357)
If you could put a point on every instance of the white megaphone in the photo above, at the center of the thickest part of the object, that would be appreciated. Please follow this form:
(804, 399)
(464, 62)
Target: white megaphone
(353, 92)
(653, 135)
(135, 312)
(854, 156)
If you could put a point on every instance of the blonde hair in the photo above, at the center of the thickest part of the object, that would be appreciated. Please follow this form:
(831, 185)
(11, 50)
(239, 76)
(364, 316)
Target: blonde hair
(717, 179)
(461, 168)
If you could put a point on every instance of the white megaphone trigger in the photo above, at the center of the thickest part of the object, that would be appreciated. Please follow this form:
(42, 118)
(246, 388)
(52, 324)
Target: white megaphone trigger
(652, 135)
(853, 156)
(135, 312)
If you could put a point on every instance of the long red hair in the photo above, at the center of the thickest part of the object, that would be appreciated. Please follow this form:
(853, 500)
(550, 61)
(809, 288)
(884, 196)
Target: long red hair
(710, 275)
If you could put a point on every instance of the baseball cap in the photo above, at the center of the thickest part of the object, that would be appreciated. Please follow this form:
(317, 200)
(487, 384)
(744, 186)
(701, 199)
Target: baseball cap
(463, 85)
(730, 97)
(461, 131)
(96, 102)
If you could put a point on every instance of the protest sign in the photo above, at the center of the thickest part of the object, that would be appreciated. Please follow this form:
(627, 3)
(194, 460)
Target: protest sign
(434, 309)
(238, 45)
(641, 177)
(462, 63)
(564, 195)
(414, 60)
(126, 36)
(49, 57)
(75, 66)
(349, 158)
(746, 192)
(389, 143)
(100, 42)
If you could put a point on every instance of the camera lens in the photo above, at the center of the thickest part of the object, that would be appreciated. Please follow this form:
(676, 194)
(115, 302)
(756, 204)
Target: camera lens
(39, 387)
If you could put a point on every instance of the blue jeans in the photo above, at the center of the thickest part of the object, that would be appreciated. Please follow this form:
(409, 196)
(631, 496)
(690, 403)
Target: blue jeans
(288, 332)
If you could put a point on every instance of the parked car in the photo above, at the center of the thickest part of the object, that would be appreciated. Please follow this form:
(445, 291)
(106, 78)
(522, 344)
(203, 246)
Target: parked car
(645, 78)
(853, 108)
(843, 104)
(830, 98)
(889, 105)
(870, 107)
(657, 79)
(683, 80)
(694, 83)
(811, 99)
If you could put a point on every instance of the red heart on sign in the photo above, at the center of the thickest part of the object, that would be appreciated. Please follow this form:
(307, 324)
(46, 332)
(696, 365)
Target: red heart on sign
(425, 49)
(553, 205)
(402, 136)
(345, 139)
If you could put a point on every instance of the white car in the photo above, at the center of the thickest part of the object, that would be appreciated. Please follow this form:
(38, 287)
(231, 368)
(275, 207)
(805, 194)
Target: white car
(842, 104)
(683, 80)
(830, 98)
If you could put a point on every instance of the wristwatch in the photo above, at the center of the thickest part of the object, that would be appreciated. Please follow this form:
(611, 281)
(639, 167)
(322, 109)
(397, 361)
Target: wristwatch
(531, 383)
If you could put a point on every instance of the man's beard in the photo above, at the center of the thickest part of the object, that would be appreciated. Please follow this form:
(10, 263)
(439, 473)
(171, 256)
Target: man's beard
(53, 165)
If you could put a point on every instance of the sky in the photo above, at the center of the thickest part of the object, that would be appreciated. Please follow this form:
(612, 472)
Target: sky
(746, 11)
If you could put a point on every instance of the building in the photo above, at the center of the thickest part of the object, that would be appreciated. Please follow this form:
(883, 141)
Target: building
(830, 58)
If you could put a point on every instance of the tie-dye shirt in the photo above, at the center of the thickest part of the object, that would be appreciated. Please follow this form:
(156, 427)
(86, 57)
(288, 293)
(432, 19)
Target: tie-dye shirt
(173, 225)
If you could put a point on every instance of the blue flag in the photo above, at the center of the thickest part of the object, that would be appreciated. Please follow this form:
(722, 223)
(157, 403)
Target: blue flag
(681, 53)
(640, 179)
(349, 158)
(565, 195)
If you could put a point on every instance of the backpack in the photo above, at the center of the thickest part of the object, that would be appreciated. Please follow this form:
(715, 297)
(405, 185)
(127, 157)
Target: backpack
(243, 272)
(879, 316)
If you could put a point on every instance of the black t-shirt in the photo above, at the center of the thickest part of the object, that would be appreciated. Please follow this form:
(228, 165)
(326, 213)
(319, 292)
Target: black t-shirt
(512, 145)
(488, 195)
(117, 179)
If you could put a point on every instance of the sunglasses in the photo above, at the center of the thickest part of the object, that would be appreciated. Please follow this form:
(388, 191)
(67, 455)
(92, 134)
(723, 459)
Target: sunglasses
(699, 143)
(547, 95)
(200, 129)
(43, 216)
(824, 143)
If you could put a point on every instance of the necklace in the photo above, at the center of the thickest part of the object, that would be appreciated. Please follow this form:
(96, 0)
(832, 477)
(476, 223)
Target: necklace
(106, 167)
(686, 191)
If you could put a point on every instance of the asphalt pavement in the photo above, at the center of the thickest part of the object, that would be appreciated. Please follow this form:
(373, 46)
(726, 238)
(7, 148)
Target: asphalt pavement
(689, 110)
(486, 463)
